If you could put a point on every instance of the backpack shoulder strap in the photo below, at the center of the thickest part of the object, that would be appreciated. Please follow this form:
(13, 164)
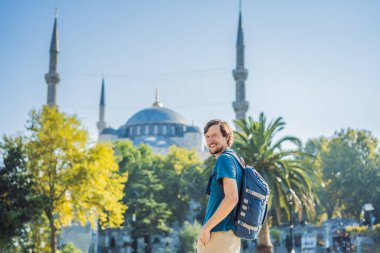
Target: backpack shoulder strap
(232, 155)
(239, 160)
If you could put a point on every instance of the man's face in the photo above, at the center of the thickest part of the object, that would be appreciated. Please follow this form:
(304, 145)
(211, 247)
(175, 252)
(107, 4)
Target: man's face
(215, 141)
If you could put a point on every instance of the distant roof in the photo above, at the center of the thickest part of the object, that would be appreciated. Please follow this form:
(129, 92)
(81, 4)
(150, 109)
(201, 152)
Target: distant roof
(340, 221)
(109, 130)
(156, 114)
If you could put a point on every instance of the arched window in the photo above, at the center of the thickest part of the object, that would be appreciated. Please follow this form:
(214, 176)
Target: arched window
(138, 130)
(155, 129)
(173, 130)
(164, 129)
(146, 129)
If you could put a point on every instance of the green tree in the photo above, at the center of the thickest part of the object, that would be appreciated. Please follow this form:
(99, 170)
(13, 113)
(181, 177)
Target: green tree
(349, 163)
(147, 216)
(181, 174)
(188, 236)
(69, 248)
(78, 182)
(324, 204)
(19, 205)
(282, 169)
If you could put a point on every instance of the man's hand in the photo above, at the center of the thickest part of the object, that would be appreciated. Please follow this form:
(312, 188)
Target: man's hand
(204, 235)
(231, 198)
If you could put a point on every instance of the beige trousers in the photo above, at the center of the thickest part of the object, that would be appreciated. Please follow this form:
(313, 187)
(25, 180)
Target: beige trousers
(220, 242)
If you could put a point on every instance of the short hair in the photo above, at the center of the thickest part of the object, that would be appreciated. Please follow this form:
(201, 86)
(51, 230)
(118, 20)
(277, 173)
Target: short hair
(224, 127)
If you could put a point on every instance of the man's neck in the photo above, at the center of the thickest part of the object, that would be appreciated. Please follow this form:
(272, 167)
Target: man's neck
(218, 154)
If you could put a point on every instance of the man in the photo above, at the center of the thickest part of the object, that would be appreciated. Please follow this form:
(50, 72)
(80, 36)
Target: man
(217, 234)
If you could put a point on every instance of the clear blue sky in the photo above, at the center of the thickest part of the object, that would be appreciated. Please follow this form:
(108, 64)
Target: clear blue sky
(315, 63)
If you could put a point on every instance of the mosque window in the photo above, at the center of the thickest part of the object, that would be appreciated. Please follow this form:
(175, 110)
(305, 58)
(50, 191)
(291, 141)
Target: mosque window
(146, 129)
(138, 130)
(155, 129)
(113, 242)
(173, 130)
(164, 129)
(130, 131)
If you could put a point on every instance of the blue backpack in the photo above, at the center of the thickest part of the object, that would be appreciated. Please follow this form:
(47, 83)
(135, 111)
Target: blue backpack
(252, 207)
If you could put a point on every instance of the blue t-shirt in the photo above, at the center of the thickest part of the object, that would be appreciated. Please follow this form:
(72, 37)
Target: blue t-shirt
(226, 166)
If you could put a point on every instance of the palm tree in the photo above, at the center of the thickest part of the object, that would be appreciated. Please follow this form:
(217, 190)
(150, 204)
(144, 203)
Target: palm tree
(281, 168)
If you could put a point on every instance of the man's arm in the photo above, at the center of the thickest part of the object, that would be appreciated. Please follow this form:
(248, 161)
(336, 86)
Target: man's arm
(231, 198)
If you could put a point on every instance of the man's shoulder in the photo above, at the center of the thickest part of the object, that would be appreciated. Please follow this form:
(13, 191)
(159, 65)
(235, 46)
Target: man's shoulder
(228, 156)
(226, 162)
(227, 153)
(224, 158)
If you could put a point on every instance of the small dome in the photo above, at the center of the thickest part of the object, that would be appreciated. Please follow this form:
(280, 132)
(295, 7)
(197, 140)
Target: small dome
(156, 115)
(109, 130)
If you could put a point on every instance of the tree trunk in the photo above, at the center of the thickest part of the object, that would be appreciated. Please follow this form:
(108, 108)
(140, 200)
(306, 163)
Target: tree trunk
(53, 234)
(264, 244)
(300, 216)
(278, 216)
(148, 244)
(329, 213)
(134, 244)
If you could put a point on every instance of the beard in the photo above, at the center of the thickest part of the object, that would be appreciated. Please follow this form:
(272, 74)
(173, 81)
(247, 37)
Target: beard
(216, 151)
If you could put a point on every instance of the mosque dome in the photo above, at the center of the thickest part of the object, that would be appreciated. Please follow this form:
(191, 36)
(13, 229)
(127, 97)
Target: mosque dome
(156, 115)
(156, 120)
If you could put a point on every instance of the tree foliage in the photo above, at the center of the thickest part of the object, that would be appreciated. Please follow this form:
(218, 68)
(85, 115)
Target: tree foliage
(159, 188)
(188, 236)
(69, 248)
(77, 182)
(349, 164)
(181, 173)
(282, 168)
(147, 215)
(19, 205)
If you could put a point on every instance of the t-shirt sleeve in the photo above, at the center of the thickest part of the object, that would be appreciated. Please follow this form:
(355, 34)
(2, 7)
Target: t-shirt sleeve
(225, 168)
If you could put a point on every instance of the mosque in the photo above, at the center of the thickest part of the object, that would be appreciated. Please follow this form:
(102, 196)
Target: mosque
(158, 126)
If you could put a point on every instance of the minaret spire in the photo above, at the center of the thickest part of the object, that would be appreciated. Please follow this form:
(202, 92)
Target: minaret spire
(240, 74)
(240, 36)
(157, 102)
(102, 95)
(102, 110)
(52, 77)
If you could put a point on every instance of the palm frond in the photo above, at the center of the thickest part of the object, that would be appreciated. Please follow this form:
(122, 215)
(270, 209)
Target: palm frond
(282, 169)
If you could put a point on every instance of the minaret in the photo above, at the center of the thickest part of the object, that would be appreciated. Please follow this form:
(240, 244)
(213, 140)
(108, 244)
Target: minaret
(240, 75)
(52, 77)
(102, 110)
